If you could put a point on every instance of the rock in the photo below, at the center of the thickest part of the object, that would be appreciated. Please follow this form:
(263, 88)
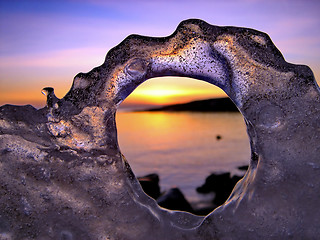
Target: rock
(150, 185)
(221, 184)
(243, 168)
(174, 200)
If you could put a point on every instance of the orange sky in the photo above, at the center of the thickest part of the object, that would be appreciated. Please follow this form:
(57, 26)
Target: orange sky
(169, 90)
(156, 91)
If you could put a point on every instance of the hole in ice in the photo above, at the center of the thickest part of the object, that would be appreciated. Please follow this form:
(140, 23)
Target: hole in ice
(182, 148)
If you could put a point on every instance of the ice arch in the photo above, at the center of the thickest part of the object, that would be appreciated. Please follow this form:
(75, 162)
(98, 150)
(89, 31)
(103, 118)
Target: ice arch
(63, 176)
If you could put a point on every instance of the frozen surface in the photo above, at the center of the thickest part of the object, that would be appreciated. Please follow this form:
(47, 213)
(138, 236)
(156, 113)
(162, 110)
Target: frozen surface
(63, 176)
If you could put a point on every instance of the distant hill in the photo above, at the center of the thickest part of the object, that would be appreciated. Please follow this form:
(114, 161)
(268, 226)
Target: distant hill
(208, 105)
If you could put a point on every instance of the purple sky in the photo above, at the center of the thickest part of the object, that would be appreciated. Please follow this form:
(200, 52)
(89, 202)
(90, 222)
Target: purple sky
(46, 43)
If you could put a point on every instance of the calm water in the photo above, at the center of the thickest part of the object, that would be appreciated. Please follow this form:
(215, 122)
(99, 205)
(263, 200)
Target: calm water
(182, 147)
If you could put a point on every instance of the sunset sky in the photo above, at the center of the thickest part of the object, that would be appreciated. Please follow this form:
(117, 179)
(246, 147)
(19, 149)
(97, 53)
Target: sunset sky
(46, 42)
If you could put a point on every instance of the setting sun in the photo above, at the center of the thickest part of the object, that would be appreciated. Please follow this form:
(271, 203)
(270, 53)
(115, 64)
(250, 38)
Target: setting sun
(171, 90)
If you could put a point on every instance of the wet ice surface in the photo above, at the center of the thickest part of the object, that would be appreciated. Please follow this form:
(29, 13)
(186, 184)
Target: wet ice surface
(63, 176)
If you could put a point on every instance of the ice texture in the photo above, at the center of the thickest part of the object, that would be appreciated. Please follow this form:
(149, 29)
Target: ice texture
(63, 175)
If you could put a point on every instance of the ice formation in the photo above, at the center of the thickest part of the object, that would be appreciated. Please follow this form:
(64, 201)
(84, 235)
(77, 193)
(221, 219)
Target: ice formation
(64, 177)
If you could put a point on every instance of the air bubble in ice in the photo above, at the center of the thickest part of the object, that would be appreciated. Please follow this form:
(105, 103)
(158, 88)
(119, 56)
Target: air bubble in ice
(66, 235)
(136, 67)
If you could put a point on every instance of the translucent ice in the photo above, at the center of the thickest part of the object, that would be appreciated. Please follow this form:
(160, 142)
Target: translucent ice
(64, 177)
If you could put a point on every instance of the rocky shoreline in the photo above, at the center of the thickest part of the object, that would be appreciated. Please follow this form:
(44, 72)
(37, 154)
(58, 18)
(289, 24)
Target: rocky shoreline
(217, 186)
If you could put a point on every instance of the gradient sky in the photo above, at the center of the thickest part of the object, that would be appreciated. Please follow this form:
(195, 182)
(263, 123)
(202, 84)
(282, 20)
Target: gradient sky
(46, 43)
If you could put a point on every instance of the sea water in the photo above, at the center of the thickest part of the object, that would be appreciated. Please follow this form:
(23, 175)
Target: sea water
(183, 147)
